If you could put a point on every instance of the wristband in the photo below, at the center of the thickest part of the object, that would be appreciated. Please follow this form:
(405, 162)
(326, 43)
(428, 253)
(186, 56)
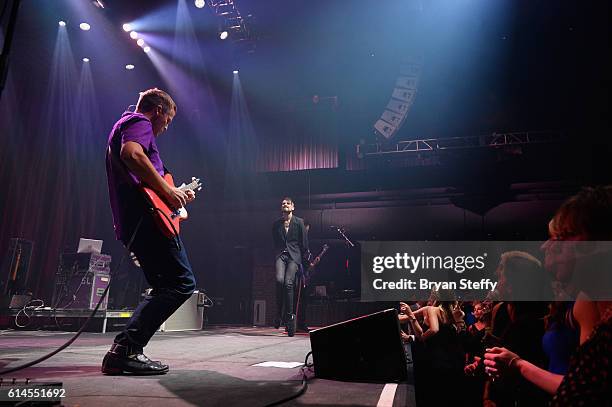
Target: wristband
(516, 358)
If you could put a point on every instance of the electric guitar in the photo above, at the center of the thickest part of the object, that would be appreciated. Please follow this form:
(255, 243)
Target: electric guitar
(311, 267)
(167, 219)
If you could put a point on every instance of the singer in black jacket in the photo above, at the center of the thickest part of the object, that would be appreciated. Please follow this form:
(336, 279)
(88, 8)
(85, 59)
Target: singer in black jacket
(291, 241)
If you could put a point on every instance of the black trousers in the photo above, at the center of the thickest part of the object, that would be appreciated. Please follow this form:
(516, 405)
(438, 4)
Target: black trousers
(167, 270)
(286, 269)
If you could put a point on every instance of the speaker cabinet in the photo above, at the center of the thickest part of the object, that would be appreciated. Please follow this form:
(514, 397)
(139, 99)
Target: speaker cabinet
(188, 317)
(366, 349)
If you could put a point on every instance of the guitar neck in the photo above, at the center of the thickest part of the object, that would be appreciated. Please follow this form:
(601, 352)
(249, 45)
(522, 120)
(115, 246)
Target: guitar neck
(317, 259)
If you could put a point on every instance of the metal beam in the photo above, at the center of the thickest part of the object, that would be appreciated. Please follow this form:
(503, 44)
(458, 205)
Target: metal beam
(494, 140)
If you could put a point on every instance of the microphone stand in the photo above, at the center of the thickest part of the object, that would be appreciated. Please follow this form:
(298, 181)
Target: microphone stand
(349, 243)
(344, 236)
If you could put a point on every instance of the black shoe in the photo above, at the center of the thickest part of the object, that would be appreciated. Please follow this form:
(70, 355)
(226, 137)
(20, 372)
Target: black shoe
(290, 325)
(277, 323)
(119, 360)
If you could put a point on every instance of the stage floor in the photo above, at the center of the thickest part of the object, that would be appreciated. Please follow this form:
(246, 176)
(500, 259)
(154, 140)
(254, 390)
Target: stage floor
(213, 367)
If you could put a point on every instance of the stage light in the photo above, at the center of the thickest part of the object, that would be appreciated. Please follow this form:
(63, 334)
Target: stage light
(235, 72)
(62, 23)
(147, 49)
(223, 35)
(200, 3)
(85, 59)
(84, 26)
(127, 27)
(129, 67)
(133, 35)
(140, 42)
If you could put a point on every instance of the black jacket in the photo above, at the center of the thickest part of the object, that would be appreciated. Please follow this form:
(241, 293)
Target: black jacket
(295, 241)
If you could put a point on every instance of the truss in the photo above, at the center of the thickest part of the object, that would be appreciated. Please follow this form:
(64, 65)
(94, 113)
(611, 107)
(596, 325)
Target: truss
(453, 143)
(231, 20)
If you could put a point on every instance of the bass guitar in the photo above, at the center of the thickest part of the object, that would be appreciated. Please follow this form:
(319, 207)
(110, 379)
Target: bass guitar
(307, 275)
(313, 264)
(168, 220)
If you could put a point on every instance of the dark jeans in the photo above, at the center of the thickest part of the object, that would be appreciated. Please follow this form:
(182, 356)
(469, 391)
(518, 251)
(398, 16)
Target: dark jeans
(168, 272)
(286, 270)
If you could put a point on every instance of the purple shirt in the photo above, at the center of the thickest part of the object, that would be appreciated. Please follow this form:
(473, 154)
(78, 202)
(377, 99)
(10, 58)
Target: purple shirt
(127, 203)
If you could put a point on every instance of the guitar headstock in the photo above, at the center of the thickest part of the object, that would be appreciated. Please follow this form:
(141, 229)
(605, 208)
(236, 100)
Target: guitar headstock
(197, 184)
(194, 185)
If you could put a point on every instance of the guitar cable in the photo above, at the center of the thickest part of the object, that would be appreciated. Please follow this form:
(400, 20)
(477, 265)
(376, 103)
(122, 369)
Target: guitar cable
(80, 331)
(24, 310)
(306, 366)
(152, 209)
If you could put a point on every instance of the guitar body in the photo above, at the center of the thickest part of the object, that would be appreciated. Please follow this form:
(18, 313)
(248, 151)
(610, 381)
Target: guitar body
(166, 219)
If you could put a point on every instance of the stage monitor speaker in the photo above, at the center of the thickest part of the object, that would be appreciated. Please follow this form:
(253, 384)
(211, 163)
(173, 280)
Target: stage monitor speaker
(366, 349)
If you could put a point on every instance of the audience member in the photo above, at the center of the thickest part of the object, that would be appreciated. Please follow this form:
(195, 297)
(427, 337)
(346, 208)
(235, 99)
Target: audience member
(586, 216)
(439, 356)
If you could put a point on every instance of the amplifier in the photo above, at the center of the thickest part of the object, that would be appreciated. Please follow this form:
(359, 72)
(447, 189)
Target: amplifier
(189, 316)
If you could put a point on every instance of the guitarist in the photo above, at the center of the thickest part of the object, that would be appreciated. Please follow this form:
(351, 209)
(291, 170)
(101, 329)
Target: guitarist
(291, 241)
(132, 159)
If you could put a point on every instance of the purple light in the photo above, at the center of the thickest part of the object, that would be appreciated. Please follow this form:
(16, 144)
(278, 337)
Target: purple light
(223, 35)
(200, 3)
(235, 72)
(127, 27)
(133, 35)
(84, 26)
(140, 42)
(85, 59)
(147, 49)
(62, 23)
(129, 67)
